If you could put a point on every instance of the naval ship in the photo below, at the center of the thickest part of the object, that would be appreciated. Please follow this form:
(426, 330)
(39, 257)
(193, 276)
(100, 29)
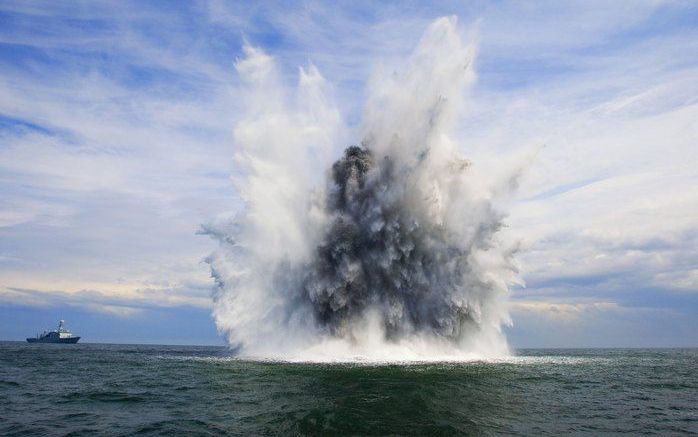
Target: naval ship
(60, 335)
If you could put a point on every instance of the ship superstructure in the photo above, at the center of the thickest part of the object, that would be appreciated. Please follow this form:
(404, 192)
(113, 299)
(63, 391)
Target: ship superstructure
(60, 335)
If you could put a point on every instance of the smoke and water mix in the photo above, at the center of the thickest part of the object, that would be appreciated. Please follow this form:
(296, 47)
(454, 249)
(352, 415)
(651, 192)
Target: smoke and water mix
(391, 252)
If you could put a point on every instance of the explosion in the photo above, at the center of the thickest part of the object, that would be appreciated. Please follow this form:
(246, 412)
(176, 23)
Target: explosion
(396, 254)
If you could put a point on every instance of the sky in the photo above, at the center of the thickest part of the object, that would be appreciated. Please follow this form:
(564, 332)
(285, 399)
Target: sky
(116, 146)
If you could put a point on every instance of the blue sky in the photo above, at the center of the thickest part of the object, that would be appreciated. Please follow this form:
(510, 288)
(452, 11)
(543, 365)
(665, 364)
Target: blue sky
(116, 145)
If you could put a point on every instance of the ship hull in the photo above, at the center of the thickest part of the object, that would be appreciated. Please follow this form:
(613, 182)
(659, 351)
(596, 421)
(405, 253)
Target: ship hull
(70, 340)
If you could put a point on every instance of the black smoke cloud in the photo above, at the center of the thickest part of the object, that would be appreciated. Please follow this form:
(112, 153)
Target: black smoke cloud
(379, 253)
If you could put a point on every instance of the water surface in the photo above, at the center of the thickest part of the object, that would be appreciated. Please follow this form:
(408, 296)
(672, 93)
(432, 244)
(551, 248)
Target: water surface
(93, 389)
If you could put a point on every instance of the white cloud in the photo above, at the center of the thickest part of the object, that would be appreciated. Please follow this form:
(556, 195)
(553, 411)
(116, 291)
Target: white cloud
(122, 300)
(562, 311)
(135, 150)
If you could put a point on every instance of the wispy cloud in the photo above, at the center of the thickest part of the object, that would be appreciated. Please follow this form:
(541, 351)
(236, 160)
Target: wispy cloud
(565, 311)
(116, 144)
(115, 301)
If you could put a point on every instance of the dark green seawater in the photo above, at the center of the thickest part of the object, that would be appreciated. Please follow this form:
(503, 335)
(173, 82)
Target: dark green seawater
(91, 389)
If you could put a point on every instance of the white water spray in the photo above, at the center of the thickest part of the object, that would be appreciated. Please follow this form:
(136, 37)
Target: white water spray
(392, 252)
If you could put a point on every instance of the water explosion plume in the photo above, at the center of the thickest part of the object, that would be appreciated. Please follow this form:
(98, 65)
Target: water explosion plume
(396, 254)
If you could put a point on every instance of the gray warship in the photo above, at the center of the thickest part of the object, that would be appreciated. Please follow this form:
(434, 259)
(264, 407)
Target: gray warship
(60, 335)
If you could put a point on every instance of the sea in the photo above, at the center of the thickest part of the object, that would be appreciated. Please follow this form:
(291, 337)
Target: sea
(105, 389)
